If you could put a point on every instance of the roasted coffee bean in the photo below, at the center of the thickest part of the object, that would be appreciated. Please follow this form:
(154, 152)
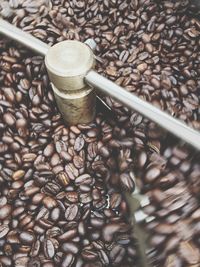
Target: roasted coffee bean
(26, 237)
(33, 262)
(89, 255)
(70, 247)
(103, 257)
(109, 231)
(49, 202)
(63, 179)
(49, 250)
(72, 196)
(4, 229)
(68, 235)
(35, 248)
(55, 214)
(19, 174)
(68, 260)
(117, 253)
(83, 179)
(127, 182)
(115, 200)
(189, 253)
(71, 212)
(5, 211)
(79, 143)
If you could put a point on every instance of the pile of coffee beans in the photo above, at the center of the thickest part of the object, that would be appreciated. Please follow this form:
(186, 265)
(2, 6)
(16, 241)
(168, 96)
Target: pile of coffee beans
(61, 199)
(171, 180)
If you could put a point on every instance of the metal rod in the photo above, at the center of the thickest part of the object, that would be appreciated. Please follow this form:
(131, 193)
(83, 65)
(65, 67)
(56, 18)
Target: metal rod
(23, 37)
(166, 121)
(109, 88)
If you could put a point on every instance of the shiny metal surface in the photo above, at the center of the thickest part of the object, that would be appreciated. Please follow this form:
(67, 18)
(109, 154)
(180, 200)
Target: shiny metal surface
(23, 38)
(166, 121)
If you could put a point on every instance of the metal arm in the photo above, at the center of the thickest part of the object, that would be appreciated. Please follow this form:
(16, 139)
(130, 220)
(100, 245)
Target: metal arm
(23, 38)
(166, 121)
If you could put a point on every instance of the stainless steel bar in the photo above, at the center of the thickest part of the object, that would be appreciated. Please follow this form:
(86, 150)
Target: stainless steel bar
(166, 121)
(23, 37)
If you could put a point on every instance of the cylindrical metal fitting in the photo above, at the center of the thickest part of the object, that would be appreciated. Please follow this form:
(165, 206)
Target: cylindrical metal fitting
(67, 64)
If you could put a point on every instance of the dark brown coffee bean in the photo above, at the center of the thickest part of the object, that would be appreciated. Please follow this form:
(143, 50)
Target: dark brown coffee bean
(89, 255)
(127, 182)
(35, 248)
(55, 214)
(9, 119)
(4, 229)
(68, 260)
(109, 231)
(5, 211)
(103, 257)
(85, 198)
(78, 162)
(26, 237)
(49, 202)
(70, 247)
(115, 200)
(71, 171)
(33, 262)
(117, 253)
(72, 196)
(68, 235)
(63, 178)
(152, 174)
(49, 250)
(49, 150)
(71, 212)
(83, 179)
(79, 143)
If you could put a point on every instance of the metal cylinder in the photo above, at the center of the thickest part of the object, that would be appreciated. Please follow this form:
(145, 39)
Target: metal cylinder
(67, 64)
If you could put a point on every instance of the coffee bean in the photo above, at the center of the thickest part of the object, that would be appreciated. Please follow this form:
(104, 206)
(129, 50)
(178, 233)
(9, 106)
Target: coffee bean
(33, 262)
(117, 253)
(103, 257)
(63, 178)
(83, 179)
(79, 143)
(152, 174)
(26, 237)
(5, 211)
(189, 253)
(68, 235)
(49, 150)
(89, 255)
(68, 260)
(55, 214)
(109, 231)
(70, 247)
(4, 229)
(71, 212)
(49, 250)
(115, 200)
(18, 174)
(72, 196)
(9, 119)
(127, 182)
(49, 202)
